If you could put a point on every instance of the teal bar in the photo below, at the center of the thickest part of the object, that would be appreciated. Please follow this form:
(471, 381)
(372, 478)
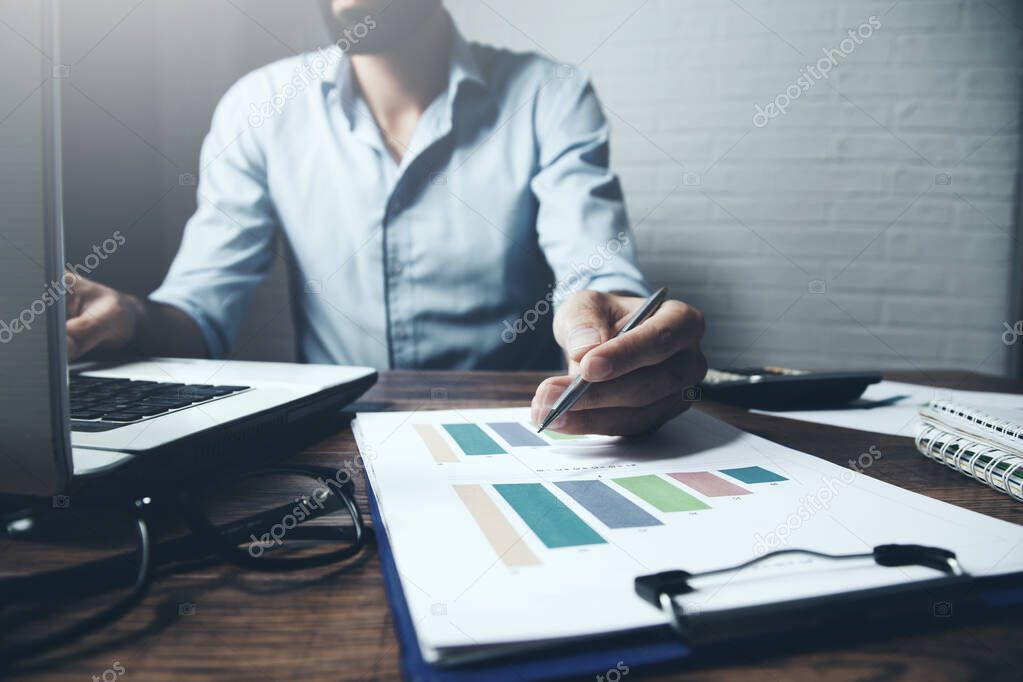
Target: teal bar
(555, 524)
(754, 475)
(473, 440)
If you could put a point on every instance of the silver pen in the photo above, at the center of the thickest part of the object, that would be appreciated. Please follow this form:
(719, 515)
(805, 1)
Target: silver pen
(576, 389)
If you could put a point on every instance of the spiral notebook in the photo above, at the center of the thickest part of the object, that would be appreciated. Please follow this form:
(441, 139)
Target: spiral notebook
(985, 443)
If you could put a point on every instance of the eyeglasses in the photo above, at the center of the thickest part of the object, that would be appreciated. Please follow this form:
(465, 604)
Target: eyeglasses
(309, 518)
(281, 519)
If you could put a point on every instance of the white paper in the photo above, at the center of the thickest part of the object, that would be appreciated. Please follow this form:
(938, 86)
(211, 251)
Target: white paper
(461, 594)
(899, 407)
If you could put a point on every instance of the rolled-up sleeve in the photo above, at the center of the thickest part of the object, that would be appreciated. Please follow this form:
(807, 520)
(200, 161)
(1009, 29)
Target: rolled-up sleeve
(228, 244)
(582, 224)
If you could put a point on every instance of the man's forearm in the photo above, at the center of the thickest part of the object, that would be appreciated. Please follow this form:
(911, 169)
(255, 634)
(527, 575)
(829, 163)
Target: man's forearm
(162, 329)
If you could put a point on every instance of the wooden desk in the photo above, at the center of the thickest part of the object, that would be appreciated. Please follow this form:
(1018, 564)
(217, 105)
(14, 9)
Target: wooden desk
(249, 626)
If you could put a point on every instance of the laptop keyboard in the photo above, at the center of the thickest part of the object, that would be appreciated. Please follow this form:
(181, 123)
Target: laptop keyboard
(103, 403)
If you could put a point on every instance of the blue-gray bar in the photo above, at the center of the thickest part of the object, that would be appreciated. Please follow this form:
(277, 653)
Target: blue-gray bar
(613, 509)
(517, 435)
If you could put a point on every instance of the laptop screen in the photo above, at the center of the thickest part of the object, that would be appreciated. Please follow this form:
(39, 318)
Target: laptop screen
(34, 447)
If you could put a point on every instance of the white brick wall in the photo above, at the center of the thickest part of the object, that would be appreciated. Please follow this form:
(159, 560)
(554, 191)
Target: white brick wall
(843, 188)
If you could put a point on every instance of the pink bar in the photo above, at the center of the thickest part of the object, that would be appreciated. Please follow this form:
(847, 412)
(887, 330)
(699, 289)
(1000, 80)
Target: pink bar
(708, 484)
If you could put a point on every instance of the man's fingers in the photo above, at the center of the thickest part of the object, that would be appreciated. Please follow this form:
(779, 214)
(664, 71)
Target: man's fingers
(638, 379)
(76, 289)
(84, 333)
(645, 386)
(101, 321)
(622, 421)
(583, 321)
(673, 328)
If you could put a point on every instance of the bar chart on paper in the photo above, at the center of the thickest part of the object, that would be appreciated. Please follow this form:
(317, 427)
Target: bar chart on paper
(450, 442)
(556, 509)
(575, 513)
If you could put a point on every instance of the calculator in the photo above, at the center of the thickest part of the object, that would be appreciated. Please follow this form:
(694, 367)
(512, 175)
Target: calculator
(781, 388)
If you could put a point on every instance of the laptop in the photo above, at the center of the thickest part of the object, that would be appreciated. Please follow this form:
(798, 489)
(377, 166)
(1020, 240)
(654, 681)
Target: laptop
(154, 419)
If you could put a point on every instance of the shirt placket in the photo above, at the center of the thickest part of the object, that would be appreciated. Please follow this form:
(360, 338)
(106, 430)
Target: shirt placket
(399, 231)
(398, 289)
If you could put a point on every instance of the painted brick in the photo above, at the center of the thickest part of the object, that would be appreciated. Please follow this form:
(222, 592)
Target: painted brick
(893, 181)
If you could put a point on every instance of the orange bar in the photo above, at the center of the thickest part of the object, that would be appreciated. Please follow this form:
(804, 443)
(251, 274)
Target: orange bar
(512, 549)
(435, 444)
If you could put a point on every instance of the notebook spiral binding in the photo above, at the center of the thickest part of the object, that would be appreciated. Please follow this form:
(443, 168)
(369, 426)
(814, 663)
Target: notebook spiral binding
(990, 465)
(979, 417)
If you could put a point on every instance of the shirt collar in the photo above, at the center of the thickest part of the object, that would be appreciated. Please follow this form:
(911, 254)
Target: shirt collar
(463, 63)
(462, 68)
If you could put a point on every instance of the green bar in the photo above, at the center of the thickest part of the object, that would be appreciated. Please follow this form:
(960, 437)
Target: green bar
(661, 494)
(473, 440)
(562, 436)
(555, 524)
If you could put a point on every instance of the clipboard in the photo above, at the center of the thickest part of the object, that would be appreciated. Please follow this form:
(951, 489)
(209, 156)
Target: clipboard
(646, 647)
(666, 646)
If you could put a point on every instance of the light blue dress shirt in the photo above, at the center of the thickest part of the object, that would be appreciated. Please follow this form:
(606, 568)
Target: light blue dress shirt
(453, 258)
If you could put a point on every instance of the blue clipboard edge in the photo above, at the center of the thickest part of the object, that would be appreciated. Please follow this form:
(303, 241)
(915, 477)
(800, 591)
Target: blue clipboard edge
(658, 646)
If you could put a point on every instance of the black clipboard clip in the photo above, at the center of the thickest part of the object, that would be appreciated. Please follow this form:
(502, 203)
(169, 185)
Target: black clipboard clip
(906, 600)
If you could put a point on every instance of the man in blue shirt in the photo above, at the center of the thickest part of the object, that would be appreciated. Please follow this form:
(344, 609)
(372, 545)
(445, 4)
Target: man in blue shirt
(439, 200)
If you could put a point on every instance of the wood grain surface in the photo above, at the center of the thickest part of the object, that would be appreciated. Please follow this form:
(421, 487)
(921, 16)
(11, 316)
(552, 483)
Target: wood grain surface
(218, 622)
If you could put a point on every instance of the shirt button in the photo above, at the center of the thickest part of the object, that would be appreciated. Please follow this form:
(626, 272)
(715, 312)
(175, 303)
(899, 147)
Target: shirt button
(399, 331)
(396, 267)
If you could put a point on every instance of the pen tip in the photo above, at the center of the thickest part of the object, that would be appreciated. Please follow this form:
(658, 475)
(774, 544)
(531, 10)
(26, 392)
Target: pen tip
(545, 423)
